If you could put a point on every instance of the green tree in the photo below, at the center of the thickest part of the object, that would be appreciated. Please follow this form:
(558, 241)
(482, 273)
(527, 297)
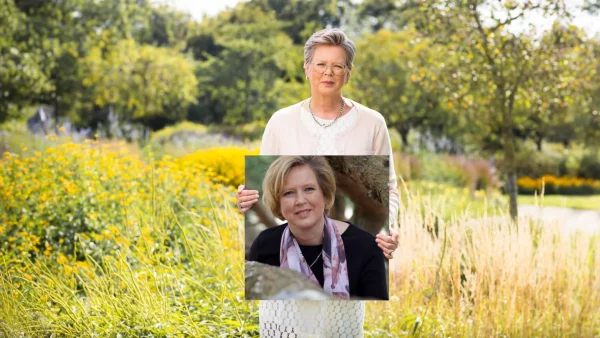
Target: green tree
(24, 65)
(304, 17)
(389, 78)
(552, 99)
(242, 81)
(144, 84)
(489, 65)
(54, 35)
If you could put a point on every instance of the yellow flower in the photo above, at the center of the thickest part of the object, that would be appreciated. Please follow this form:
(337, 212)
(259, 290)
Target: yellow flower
(62, 259)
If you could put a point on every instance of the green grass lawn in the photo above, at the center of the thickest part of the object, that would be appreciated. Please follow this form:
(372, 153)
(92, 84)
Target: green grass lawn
(449, 201)
(591, 202)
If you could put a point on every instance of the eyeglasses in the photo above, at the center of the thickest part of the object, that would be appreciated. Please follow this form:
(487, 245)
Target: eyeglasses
(321, 67)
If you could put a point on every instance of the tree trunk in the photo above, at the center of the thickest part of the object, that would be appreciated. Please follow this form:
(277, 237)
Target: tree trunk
(56, 118)
(512, 190)
(365, 180)
(404, 135)
(264, 216)
(247, 98)
(338, 211)
(509, 157)
(538, 143)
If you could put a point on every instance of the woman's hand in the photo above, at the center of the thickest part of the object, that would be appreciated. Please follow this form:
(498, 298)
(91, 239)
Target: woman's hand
(245, 199)
(388, 243)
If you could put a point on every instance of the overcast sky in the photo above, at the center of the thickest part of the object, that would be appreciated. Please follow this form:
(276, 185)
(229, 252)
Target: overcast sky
(198, 8)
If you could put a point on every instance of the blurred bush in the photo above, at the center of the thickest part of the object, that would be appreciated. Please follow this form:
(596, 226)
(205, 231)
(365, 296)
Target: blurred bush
(225, 165)
(14, 137)
(533, 163)
(53, 198)
(248, 132)
(185, 138)
(590, 166)
(556, 160)
(565, 185)
(446, 169)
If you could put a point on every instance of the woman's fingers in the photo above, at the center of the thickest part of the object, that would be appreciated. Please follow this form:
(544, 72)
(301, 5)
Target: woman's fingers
(247, 204)
(395, 236)
(388, 243)
(245, 199)
(385, 245)
(244, 209)
(388, 253)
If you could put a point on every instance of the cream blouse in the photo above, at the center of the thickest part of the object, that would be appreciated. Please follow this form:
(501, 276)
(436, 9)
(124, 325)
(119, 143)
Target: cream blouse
(362, 131)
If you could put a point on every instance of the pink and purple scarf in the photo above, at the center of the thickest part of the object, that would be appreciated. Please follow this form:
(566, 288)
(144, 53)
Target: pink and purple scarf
(335, 267)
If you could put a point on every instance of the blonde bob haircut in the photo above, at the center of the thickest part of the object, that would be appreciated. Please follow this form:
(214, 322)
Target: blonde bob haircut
(278, 171)
(330, 37)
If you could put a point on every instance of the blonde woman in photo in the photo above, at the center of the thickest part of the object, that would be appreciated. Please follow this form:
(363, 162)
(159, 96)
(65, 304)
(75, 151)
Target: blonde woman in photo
(338, 256)
(324, 124)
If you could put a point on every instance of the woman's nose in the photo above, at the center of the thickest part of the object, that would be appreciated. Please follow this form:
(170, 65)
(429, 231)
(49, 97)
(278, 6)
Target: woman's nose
(300, 199)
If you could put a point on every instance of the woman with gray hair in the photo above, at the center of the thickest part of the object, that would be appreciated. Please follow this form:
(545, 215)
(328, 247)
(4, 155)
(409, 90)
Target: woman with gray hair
(324, 124)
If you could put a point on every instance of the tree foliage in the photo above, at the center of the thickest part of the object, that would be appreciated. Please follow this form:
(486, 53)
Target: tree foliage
(461, 73)
(142, 83)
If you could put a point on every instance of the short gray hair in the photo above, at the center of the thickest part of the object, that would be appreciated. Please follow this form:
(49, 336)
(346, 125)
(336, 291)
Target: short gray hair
(330, 37)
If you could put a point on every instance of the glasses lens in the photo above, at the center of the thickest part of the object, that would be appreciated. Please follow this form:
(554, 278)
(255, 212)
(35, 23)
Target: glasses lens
(338, 69)
(322, 67)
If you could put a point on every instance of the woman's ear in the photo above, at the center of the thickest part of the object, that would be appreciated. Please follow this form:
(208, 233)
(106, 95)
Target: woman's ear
(348, 75)
(306, 71)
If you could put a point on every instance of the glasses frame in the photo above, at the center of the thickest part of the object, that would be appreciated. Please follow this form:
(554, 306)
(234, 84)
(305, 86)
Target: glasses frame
(345, 71)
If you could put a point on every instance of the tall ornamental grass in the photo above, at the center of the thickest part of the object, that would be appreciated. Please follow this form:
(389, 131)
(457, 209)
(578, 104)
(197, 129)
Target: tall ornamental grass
(488, 277)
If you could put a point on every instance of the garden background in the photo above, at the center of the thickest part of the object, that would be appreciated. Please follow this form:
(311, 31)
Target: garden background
(124, 125)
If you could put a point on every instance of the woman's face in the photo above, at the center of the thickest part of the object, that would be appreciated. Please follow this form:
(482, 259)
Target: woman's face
(328, 82)
(302, 202)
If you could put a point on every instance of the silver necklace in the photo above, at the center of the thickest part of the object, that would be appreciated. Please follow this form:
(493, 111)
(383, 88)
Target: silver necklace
(323, 124)
(313, 263)
(320, 253)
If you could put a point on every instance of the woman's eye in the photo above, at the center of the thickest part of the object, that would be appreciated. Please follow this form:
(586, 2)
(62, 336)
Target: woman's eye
(310, 189)
(338, 67)
(287, 193)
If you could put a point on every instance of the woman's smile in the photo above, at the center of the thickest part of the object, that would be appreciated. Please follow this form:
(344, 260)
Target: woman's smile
(303, 213)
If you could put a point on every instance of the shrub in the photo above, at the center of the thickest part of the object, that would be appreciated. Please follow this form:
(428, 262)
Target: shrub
(558, 185)
(532, 163)
(224, 165)
(185, 138)
(73, 191)
(446, 169)
(248, 132)
(590, 166)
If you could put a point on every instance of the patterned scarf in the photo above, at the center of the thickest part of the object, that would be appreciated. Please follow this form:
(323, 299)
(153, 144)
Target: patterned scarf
(335, 267)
